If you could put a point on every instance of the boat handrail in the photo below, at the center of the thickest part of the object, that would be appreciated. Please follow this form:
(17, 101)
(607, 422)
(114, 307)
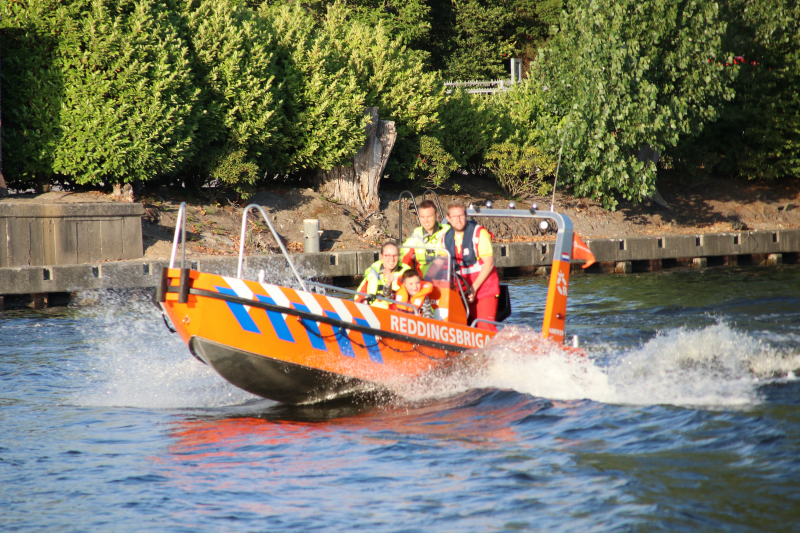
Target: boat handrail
(556, 306)
(564, 224)
(180, 231)
(415, 308)
(400, 212)
(277, 239)
(435, 197)
(485, 321)
(416, 209)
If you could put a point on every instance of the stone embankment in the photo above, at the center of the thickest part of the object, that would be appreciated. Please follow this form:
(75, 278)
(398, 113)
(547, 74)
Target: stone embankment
(40, 286)
(56, 244)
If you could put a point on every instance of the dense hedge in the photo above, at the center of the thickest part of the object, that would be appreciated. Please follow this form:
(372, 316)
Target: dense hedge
(226, 92)
(203, 91)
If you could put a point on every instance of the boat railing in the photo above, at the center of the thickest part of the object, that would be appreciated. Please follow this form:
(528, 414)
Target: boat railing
(277, 239)
(416, 209)
(400, 212)
(439, 205)
(180, 231)
(446, 271)
(411, 306)
(556, 306)
(499, 325)
(564, 224)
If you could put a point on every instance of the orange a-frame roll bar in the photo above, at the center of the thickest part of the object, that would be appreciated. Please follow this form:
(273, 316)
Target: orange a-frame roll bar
(556, 309)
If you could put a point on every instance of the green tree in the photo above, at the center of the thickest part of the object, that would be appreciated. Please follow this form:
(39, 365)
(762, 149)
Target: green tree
(626, 76)
(471, 124)
(128, 111)
(322, 102)
(475, 39)
(758, 132)
(408, 21)
(336, 66)
(405, 20)
(235, 66)
(32, 85)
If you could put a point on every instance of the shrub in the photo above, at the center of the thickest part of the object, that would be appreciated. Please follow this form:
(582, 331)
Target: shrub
(433, 164)
(321, 101)
(758, 132)
(470, 125)
(235, 171)
(520, 170)
(234, 62)
(33, 86)
(128, 111)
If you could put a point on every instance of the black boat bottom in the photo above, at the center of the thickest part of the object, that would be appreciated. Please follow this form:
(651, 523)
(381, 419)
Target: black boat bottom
(279, 380)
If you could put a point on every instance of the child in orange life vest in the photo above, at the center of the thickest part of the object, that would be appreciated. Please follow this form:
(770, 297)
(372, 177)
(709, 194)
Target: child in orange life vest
(414, 291)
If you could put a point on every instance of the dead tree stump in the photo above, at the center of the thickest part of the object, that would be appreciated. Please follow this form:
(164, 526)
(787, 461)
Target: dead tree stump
(357, 185)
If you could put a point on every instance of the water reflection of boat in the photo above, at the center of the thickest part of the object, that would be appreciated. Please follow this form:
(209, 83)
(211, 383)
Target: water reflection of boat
(301, 344)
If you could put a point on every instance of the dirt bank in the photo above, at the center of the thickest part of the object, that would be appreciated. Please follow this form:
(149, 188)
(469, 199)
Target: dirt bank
(695, 206)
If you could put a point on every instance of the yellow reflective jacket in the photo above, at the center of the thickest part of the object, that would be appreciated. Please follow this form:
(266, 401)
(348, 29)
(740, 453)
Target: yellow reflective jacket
(418, 239)
(375, 282)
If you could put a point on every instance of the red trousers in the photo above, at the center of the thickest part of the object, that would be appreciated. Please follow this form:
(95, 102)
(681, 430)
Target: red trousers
(485, 308)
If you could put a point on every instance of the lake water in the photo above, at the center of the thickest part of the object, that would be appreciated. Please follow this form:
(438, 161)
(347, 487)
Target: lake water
(685, 417)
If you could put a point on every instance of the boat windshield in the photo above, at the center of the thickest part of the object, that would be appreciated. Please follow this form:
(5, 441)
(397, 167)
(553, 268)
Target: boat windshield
(439, 265)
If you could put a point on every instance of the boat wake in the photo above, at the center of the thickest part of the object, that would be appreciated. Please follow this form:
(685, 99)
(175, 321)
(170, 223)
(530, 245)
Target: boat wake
(712, 366)
(135, 362)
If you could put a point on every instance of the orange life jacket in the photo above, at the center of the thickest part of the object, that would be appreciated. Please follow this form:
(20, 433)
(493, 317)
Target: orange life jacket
(402, 296)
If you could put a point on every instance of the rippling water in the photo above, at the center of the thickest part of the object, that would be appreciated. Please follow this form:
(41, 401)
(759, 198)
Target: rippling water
(685, 417)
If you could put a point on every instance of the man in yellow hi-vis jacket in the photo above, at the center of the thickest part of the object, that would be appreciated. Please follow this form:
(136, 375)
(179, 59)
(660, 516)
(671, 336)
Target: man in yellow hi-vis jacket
(430, 234)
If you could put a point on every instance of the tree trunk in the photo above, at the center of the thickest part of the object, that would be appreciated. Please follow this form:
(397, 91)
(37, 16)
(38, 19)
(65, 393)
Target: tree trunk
(646, 153)
(357, 185)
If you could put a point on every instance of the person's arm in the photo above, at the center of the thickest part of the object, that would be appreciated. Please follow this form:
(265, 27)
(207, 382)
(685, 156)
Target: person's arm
(486, 269)
(484, 252)
(410, 258)
(362, 288)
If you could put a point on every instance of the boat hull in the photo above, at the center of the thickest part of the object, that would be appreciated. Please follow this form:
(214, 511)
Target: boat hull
(300, 347)
(278, 380)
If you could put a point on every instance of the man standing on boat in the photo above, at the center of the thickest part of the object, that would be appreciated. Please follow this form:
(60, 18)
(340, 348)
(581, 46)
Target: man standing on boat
(382, 278)
(470, 246)
(430, 234)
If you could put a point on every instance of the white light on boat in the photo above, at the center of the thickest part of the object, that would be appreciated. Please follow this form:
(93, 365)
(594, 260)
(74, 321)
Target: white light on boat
(262, 275)
(471, 206)
(488, 204)
(512, 204)
(543, 225)
(535, 207)
(574, 341)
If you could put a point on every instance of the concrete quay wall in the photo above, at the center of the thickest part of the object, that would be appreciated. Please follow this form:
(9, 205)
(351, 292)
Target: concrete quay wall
(752, 247)
(68, 233)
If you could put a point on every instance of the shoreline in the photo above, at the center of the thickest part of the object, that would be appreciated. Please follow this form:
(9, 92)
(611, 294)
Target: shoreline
(45, 286)
(708, 223)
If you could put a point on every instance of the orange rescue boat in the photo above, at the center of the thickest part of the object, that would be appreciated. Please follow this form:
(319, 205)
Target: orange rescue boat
(301, 344)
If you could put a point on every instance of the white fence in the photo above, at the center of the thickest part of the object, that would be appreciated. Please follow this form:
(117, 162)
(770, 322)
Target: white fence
(479, 87)
(488, 86)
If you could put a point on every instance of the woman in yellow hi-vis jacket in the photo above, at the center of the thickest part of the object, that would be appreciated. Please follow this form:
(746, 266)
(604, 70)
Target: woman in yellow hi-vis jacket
(382, 278)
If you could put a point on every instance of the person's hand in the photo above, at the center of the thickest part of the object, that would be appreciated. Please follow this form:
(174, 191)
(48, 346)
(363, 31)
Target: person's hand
(471, 295)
